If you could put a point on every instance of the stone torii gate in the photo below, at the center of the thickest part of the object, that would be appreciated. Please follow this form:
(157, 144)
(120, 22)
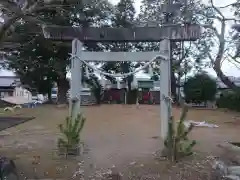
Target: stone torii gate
(164, 34)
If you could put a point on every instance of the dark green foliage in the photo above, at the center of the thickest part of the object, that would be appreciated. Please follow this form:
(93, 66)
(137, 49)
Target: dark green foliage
(96, 87)
(34, 64)
(132, 96)
(125, 13)
(200, 88)
(177, 144)
(151, 14)
(229, 100)
(122, 17)
(71, 133)
(40, 62)
(155, 77)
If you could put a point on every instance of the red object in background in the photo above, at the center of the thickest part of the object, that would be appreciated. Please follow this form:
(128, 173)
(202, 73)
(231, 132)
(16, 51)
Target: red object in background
(115, 94)
(146, 96)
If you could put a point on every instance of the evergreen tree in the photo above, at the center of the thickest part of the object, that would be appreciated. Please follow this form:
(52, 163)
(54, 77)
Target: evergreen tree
(200, 88)
(124, 16)
(151, 14)
(45, 59)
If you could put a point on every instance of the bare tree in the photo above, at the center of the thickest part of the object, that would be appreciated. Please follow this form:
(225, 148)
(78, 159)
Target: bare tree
(216, 44)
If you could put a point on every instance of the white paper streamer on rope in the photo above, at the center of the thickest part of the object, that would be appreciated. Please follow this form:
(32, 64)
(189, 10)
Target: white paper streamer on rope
(118, 83)
(134, 82)
(160, 57)
(103, 81)
(150, 70)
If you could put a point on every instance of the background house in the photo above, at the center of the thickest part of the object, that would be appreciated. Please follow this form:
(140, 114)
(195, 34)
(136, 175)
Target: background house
(7, 85)
(12, 92)
(9, 81)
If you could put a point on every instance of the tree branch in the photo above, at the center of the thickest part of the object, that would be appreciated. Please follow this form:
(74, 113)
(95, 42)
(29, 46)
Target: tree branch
(234, 58)
(178, 63)
(210, 57)
(9, 6)
(226, 6)
(35, 8)
(216, 9)
(7, 24)
(219, 57)
(209, 26)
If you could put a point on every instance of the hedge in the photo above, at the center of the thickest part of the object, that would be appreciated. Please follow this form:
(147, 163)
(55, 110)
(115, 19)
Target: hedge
(229, 100)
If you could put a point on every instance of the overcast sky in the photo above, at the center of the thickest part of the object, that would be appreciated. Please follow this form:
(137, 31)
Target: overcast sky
(228, 68)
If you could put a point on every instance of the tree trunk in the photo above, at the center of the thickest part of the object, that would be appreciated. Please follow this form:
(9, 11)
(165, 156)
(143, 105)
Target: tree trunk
(63, 86)
(172, 75)
(219, 57)
(49, 94)
(173, 81)
(178, 86)
(129, 84)
(173, 84)
(97, 95)
(98, 100)
(129, 99)
(6, 25)
(224, 78)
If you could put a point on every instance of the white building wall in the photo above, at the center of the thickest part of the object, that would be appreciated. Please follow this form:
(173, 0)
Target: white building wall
(22, 92)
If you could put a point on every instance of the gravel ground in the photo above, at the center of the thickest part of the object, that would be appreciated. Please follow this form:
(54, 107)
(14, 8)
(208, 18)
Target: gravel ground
(119, 139)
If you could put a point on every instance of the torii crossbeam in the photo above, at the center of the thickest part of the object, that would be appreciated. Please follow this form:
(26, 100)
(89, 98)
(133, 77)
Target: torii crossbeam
(138, 34)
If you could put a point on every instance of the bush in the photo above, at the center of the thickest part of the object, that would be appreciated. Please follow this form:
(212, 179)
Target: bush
(229, 100)
(96, 87)
(200, 88)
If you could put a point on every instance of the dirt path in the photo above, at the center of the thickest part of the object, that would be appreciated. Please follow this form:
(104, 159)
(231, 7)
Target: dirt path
(115, 139)
(115, 135)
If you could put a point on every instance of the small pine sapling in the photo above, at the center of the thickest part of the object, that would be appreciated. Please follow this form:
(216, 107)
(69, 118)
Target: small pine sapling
(71, 133)
(169, 142)
(177, 143)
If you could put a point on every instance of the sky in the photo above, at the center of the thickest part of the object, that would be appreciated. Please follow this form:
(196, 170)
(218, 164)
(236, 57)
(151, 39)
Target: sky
(228, 68)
